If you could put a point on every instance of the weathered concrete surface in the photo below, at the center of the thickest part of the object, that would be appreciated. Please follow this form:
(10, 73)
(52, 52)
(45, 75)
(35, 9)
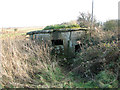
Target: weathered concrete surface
(69, 38)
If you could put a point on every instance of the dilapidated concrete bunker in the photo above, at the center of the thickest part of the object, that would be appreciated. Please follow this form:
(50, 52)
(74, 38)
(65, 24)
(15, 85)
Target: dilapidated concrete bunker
(66, 40)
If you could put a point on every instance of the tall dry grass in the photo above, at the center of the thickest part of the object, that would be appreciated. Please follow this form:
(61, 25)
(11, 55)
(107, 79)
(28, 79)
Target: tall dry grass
(21, 60)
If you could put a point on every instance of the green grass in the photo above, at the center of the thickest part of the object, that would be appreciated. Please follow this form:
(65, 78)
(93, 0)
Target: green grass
(61, 27)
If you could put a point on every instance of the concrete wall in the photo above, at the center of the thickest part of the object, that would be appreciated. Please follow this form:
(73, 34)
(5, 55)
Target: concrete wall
(69, 39)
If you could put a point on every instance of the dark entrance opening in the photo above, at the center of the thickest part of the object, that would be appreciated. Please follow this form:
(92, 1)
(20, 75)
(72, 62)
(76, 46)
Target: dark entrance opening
(57, 42)
(78, 47)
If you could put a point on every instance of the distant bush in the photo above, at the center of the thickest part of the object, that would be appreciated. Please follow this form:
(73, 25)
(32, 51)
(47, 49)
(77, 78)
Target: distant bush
(110, 25)
(61, 26)
(15, 29)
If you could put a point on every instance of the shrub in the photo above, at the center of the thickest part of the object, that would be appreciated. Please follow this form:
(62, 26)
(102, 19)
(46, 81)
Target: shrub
(15, 29)
(96, 56)
(110, 25)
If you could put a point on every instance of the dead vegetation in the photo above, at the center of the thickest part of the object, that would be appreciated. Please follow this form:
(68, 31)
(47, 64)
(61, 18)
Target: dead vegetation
(26, 63)
(22, 60)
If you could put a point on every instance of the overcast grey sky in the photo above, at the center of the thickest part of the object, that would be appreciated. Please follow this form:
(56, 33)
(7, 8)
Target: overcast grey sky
(20, 13)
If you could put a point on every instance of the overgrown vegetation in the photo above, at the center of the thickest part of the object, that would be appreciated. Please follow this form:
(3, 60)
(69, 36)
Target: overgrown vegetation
(29, 64)
(62, 26)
